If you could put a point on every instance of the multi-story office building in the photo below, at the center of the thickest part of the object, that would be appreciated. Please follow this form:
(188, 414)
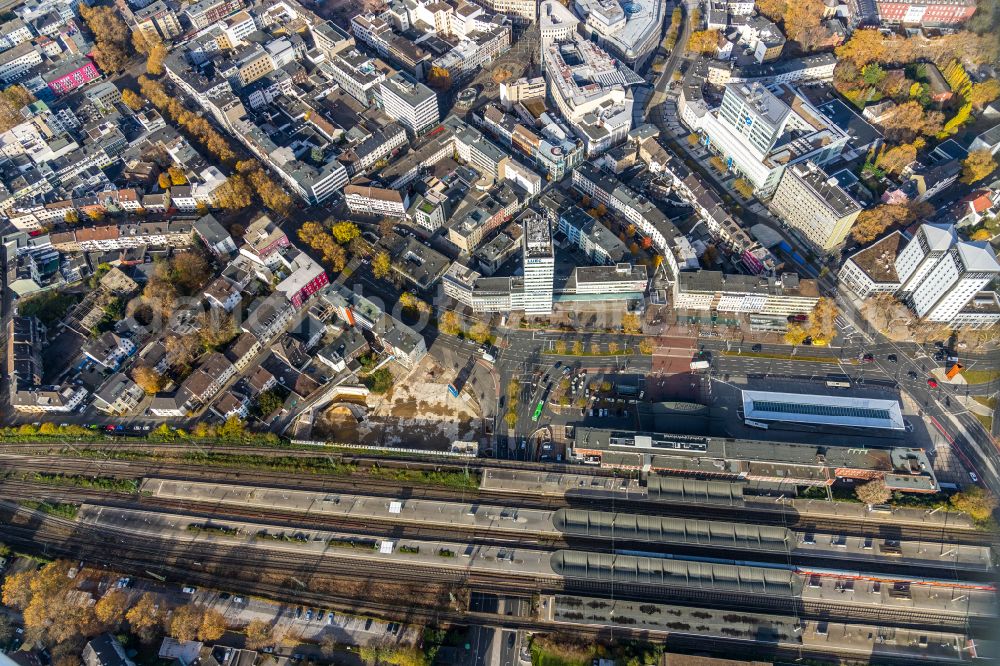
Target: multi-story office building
(473, 52)
(556, 23)
(12, 33)
(598, 242)
(592, 91)
(330, 39)
(206, 12)
(15, 62)
(357, 74)
(519, 9)
(522, 90)
(760, 131)
(925, 13)
(763, 37)
(410, 102)
(539, 265)
(156, 21)
(237, 27)
(630, 29)
(815, 204)
(941, 278)
(678, 254)
(470, 145)
(376, 201)
(769, 301)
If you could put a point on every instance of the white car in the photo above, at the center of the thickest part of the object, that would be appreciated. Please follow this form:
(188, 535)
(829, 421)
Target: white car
(188, 590)
(972, 475)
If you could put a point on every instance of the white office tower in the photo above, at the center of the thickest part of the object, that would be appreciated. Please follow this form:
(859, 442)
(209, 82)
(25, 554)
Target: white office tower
(957, 277)
(921, 255)
(760, 131)
(539, 266)
(410, 102)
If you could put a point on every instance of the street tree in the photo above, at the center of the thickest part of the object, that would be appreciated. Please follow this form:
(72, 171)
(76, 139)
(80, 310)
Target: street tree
(111, 608)
(631, 323)
(259, 634)
(977, 166)
(822, 320)
(344, 232)
(213, 625)
(381, 265)
(185, 622)
(795, 334)
(479, 332)
(449, 323)
(131, 100)
(976, 502)
(873, 492)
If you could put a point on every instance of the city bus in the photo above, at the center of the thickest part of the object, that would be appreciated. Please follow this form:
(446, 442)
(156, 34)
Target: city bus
(538, 411)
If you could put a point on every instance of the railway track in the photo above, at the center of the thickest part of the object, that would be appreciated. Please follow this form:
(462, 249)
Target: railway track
(732, 648)
(496, 535)
(91, 541)
(394, 488)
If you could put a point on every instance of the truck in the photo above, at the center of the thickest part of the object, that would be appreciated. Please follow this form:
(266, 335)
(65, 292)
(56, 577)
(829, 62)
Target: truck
(700, 365)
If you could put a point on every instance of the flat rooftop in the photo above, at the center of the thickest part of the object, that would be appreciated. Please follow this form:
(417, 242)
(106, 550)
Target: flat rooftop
(878, 261)
(826, 410)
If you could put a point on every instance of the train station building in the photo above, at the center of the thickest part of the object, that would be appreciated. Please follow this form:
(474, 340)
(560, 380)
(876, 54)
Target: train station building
(763, 463)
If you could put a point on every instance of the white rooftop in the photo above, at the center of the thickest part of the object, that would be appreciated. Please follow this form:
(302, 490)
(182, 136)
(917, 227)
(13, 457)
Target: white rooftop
(939, 236)
(822, 410)
(979, 257)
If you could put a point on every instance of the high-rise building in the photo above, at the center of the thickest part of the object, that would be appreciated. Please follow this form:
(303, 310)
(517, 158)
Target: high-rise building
(539, 266)
(921, 254)
(760, 131)
(410, 102)
(957, 277)
(941, 278)
(812, 202)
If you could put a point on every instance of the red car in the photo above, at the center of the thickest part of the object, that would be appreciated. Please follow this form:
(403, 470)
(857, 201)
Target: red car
(932, 383)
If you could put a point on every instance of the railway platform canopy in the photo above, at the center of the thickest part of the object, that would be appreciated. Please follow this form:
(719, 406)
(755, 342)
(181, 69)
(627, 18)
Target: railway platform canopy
(681, 489)
(655, 572)
(669, 530)
(822, 410)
